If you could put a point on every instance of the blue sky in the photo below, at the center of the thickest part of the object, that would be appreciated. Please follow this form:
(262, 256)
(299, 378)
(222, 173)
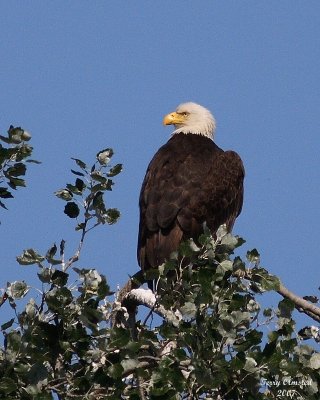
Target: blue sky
(82, 76)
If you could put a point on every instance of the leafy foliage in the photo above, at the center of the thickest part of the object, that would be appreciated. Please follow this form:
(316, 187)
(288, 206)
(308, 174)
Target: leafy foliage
(88, 190)
(13, 159)
(62, 341)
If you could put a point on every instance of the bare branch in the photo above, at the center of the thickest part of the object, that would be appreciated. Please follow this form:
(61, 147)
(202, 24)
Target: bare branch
(148, 299)
(301, 304)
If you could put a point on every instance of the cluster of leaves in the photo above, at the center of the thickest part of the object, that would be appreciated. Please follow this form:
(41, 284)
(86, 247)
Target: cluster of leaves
(57, 339)
(88, 189)
(46, 343)
(13, 159)
(64, 343)
(61, 343)
(220, 346)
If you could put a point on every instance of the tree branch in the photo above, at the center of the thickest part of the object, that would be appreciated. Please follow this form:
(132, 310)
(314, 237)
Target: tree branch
(130, 296)
(300, 304)
(148, 299)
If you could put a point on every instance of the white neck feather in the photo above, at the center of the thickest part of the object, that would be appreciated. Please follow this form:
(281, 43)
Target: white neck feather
(201, 130)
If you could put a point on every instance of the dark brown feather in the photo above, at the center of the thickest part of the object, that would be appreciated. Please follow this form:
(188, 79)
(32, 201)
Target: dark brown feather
(190, 181)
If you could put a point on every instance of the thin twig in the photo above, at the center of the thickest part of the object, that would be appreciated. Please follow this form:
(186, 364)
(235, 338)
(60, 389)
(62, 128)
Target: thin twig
(76, 255)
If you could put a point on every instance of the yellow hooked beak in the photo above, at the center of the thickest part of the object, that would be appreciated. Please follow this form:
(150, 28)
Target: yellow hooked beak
(173, 119)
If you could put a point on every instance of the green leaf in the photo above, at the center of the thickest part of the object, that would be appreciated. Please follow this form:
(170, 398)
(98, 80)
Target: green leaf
(104, 156)
(14, 182)
(34, 161)
(312, 299)
(14, 341)
(238, 264)
(129, 364)
(58, 298)
(45, 275)
(271, 283)
(29, 257)
(64, 194)
(267, 312)
(3, 205)
(252, 338)
(92, 279)
(286, 307)
(102, 186)
(51, 252)
(7, 140)
(188, 309)
(238, 361)
(115, 370)
(225, 266)
(133, 347)
(61, 247)
(7, 325)
(59, 278)
(250, 365)
(33, 390)
(221, 232)
(230, 241)
(115, 170)
(31, 309)
(18, 134)
(104, 289)
(120, 337)
(309, 332)
(163, 392)
(315, 361)
(98, 204)
(80, 163)
(240, 241)
(98, 176)
(17, 169)
(73, 189)
(270, 348)
(266, 281)
(152, 273)
(112, 215)
(80, 226)
(72, 210)
(7, 385)
(77, 173)
(80, 185)
(17, 289)
(24, 151)
(38, 374)
(253, 256)
(4, 193)
(42, 396)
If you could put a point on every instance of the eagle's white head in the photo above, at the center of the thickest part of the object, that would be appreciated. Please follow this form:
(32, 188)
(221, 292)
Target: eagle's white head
(192, 118)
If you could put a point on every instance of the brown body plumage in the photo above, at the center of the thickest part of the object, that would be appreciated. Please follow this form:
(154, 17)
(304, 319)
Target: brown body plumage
(189, 182)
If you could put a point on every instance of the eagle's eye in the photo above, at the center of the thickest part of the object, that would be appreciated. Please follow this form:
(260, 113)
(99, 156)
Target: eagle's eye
(185, 114)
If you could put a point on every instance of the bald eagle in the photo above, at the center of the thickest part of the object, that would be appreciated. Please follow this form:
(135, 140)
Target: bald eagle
(190, 183)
